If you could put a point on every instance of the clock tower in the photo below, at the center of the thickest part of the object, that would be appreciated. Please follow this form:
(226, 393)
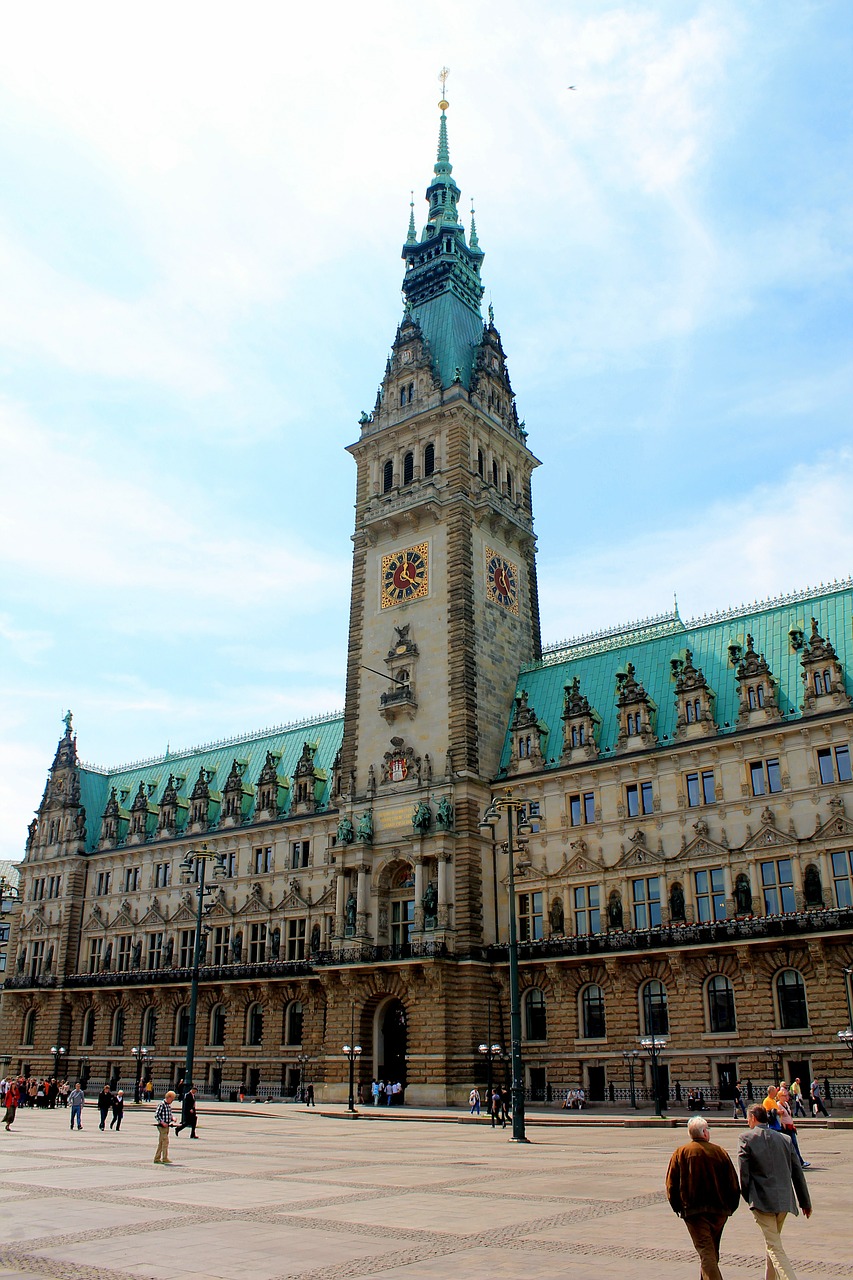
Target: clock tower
(444, 605)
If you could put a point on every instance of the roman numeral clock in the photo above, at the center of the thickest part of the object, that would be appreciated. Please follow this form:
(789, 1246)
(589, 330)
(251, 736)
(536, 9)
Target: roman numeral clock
(405, 575)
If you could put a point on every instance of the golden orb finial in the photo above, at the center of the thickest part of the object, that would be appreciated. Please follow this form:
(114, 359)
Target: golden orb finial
(442, 75)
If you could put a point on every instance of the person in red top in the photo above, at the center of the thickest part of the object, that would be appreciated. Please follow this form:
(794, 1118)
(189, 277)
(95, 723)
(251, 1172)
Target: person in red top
(12, 1098)
(702, 1188)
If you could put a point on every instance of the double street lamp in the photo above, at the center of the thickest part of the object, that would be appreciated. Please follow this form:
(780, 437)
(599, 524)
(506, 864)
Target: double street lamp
(58, 1054)
(352, 1051)
(630, 1056)
(303, 1059)
(140, 1056)
(492, 1053)
(516, 815)
(220, 1061)
(654, 1046)
(193, 869)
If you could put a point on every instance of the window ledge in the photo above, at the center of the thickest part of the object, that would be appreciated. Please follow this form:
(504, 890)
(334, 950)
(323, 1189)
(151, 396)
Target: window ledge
(796, 1033)
(592, 1041)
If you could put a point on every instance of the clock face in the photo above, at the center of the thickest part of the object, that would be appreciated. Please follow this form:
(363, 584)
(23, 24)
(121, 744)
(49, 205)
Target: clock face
(501, 581)
(405, 575)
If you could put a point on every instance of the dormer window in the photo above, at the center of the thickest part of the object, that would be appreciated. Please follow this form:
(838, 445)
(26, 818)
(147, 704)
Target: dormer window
(755, 696)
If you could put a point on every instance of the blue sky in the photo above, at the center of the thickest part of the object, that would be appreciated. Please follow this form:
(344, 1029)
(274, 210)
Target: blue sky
(202, 214)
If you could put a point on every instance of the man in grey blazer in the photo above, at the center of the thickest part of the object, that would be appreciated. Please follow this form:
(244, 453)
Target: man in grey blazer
(771, 1183)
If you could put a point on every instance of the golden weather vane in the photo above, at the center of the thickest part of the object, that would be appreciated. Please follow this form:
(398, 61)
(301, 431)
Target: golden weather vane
(442, 75)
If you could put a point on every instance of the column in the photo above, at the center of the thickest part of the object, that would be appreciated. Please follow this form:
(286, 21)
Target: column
(443, 882)
(340, 902)
(418, 925)
(362, 895)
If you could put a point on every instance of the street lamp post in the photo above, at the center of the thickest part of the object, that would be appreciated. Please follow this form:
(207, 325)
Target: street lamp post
(630, 1056)
(220, 1061)
(193, 868)
(514, 809)
(84, 1071)
(140, 1056)
(58, 1054)
(775, 1057)
(352, 1051)
(302, 1059)
(654, 1047)
(492, 1053)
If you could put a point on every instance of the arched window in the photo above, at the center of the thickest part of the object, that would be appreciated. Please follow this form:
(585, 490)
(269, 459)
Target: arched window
(495, 474)
(535, 1020)
(217, 1025)
(690, 713)
(28, 1031)
(293, 1023)
(88, 1037)
(509, 483)
(254, 1025)
(429, 459)
(791, 994)
(481, 465)
(408, 468)
(182, 1026)
(593, 1026)
(721, 1004)
(760, 694)
(118, 1026)
(402, 396)
(149, 1027)
(388, 476)
(655, 1012)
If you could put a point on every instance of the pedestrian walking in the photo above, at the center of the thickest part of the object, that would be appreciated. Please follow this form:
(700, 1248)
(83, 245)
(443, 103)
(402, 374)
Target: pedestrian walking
(771, 1183)
(11, 1099)
(118, 1111)
(786, 1122)
(105, 1105)
(474, 1101)
(817, 1099)
(797, 1097)
(738, 1103)
(77, 1099)
(189, 1117)
(702, 1188)
(163, 1119)
(309, 1096)
(148, 1090)
(497, 1110)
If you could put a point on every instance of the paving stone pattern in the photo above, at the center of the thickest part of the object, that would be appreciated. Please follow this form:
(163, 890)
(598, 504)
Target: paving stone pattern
(287, 1194)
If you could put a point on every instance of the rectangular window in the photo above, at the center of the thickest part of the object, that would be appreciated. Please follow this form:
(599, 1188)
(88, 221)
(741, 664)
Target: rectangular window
(639, 799)
(842, 877)
(221, 943)
(37, 958)
(700, 788)
(587, 909)
(102, 885)
(162, 875)
(531, 812)
(155, 949)
(124, 952)
(96, 946)
(402, 919)
(646, 902)
(777, 879)
(834, 764)
(186, 948)
(582, 809)
(231, 863)
(765, 776)
(262, 860)
(529, 917)
(131, 879)
(54, 886)
(710, 895)
(300, 851)
(296, 939)
(257, 943)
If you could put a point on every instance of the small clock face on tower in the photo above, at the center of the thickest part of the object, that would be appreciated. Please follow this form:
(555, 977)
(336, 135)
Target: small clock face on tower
(405, 575)
(501, 581)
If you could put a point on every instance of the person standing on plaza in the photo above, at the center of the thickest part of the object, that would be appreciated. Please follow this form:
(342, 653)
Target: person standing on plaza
(738, 1102)
(77, 1098)
(309, 1096)
(118, 1111)
(163, 1119)
(771, 1183)
(786, 1121)
(797, 1098)
(702, 1188)
(11, 1099)
(497, 1109)
(474, 1100)
(189, 1118)
(817, 1099)
(105, 1105)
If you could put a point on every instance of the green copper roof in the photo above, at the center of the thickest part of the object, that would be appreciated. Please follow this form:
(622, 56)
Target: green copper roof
(653, 645)
(323, 733)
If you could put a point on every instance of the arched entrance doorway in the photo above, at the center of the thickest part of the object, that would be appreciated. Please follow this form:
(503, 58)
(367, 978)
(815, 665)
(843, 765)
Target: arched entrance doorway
(390, 1042)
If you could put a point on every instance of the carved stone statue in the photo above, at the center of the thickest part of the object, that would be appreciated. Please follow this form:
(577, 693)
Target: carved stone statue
(108, 957)
(743, 895)
(365, 827)
(169, 953)
(136, 959)
(444, 815)
(315, 938)
(48, 963)
(237, 947)
(430, 902)
(21, 961)
(614, 910)
(422, 818)
(676, 902)
(556, 916)
(351, 908)
(812, 887)
(346, 833)
(32, 830)
(275, 943)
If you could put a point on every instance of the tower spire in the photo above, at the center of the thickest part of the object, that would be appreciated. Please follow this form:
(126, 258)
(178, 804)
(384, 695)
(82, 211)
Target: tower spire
(412, 237)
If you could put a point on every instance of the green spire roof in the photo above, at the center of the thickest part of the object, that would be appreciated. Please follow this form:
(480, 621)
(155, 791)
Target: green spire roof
(442, 282)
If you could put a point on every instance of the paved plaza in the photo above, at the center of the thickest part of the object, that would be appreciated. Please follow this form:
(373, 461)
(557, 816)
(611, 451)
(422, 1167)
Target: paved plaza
(281, 1192)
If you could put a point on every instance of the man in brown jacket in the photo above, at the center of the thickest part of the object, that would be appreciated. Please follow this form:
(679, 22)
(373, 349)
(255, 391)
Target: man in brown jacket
(702, 1188)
